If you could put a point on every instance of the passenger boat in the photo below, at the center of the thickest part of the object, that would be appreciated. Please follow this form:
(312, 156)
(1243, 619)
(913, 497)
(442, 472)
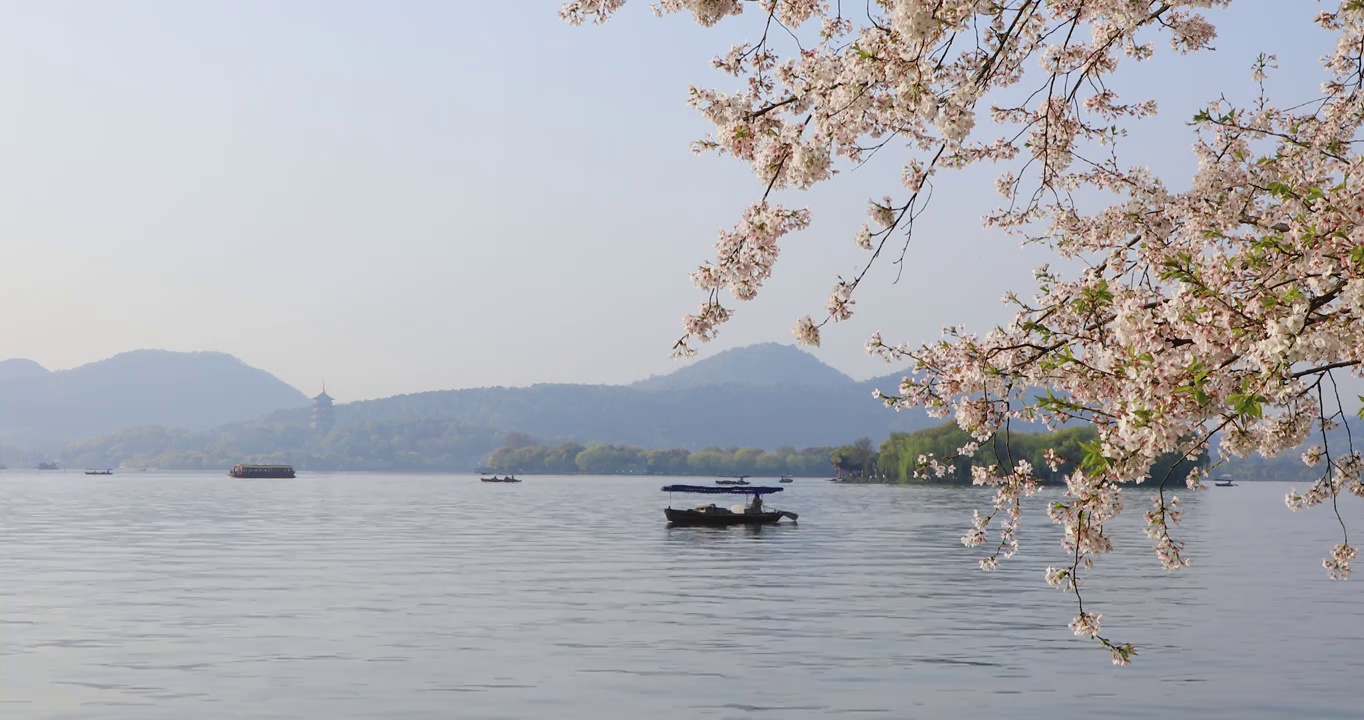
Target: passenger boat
(509, 478)
(261, 471)
(1223, 482)
(785, 479)
(99, 472)
(753, 513)
(47, 466)
(738, 480)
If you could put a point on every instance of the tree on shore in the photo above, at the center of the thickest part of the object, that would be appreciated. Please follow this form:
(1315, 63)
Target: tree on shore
(1225, 309)
(599, 459)
(1052, 455)
(858, 459)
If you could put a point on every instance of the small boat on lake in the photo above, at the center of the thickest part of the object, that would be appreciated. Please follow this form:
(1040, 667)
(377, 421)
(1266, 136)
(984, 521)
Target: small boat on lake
(752, 513)
(99, 472)
(47, 466)
(261, 471)
(738, 480)
(509, 478)
(785, 479)
(1224, 482)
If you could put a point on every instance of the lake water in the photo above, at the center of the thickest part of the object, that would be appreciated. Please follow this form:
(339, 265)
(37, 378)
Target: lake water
(159, 595)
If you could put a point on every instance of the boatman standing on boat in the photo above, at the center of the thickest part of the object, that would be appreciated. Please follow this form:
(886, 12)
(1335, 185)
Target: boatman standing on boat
(757, 506)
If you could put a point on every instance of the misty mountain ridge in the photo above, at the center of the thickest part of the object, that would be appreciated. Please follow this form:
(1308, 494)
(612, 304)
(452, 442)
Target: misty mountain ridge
(740, 397)
(763, 364)
(21, 369)
(185, 390)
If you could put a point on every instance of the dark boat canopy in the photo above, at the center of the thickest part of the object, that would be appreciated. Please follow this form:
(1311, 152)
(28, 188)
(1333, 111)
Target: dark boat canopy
(722, 490)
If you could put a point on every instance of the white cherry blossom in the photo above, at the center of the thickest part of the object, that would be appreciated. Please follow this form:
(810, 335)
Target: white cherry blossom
(1219, 311)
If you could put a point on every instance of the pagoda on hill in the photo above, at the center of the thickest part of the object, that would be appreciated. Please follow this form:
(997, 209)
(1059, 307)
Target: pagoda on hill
(324, 415)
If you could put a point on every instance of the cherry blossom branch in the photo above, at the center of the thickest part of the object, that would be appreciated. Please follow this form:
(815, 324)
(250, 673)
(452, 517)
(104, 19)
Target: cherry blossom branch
(1214, 311)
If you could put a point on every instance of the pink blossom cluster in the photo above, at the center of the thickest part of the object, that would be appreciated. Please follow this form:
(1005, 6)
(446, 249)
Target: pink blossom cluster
(1220, 310)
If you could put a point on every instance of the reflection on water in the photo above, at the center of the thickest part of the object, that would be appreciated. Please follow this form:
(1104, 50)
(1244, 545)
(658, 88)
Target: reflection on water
(700, 535)
(363, 596)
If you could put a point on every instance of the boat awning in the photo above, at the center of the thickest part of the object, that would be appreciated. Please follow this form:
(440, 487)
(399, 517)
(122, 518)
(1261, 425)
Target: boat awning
(722, 490)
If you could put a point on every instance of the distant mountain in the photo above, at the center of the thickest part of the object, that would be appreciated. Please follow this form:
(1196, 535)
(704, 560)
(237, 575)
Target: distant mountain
(188, 391)
(21, 369)
(714, 415)
(765, 364)
(728, 400)
(888, 384)
(1288, 465)
(762, 396)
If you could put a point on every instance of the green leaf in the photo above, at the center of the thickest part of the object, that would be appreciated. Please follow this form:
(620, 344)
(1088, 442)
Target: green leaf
(1094, 460)
(1280, 190)
(1248, 404)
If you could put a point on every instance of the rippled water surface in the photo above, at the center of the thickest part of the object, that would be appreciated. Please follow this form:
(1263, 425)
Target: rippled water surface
(157, 595)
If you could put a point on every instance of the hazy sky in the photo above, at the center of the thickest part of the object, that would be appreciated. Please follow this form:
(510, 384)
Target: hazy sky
(408, 196)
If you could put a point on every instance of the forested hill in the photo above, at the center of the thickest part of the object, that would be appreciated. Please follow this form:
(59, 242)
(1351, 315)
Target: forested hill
(715, 415)
(721, 401)
(419, 444)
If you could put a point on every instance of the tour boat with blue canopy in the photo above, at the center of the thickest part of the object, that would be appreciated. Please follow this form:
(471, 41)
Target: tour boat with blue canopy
(750, 513)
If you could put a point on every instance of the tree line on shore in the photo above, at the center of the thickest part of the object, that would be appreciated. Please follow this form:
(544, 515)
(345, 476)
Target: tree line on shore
(520, 454)
(421, 444)
(896, 459)
(435, 445)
